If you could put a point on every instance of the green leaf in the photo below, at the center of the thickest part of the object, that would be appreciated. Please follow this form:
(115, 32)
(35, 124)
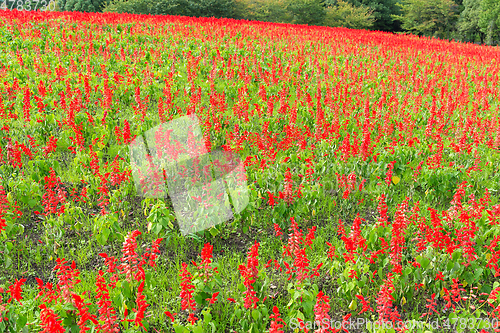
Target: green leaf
(157, 228)
(126, 289)
(308, 306)
(104, 235)
(477, 273)
(207, 317)
(214, 232)
(198, 329)
(468, 277)
(8, 262)
(353, 305)
(256, 314)
(456, 255)
(424, 262)
(21, 321)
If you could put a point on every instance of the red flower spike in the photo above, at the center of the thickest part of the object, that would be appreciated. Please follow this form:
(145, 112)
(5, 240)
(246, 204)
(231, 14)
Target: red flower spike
(50, 321)
(277, 322)
(15, 291)
(170, 315)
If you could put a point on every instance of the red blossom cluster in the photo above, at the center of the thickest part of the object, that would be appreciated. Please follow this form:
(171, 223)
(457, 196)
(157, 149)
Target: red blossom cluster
(54, 199)
(249, 273)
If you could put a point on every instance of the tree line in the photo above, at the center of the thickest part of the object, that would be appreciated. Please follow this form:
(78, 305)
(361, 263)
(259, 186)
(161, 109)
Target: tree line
(465, 20)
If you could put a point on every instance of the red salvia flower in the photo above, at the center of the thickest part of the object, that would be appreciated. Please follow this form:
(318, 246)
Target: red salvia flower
(3, 208)
(365, 304)
(68, 278)
(388, 175)
(382, 210)
(385, 299)
(27, 105)
(205, 266)
(50, 321)
(48, 293)
(494, 256)
(83, 313)
(331, 251)
(431, 306)
(151, 253)
(277, 230)
(106, 311)
(170, 315)
(271, 201)
(213, 299)
(321, 311)
(187, 289)
(51, 146)
(456, 291)
(15, 291)
(310, 237)
(54, 198)
(447, 298)
(277, 322)
(129, 260)
(249, 273)
(141, 306)
(398, 239)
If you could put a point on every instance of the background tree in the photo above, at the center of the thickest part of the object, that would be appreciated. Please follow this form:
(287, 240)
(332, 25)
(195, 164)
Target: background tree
(343, 14)
(131, 7)
(198, 8)
(82, 5)
(468, 23)
(310, 12)
(428, 17)
(383, 11)
(489, 20)
(263, 10)
(213, 8)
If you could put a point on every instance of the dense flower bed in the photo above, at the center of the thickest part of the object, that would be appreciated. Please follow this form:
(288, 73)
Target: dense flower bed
(393, 139)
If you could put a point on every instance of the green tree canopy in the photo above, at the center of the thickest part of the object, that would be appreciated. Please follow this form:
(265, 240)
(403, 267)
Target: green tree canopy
(263, 10)
(82, 5)
(343, 14)
(489, 19)
(468, 23)
(428, 17)
(310, 12)
(131, 7)
(199, 8)
(383, 11)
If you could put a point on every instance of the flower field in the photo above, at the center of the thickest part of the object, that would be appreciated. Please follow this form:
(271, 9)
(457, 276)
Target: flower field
(371, 159)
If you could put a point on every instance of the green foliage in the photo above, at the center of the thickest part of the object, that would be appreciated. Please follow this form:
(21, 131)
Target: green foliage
(309, 12)
(262, 10)
(82, 5)
(382, 12)
(428, 17)
(130, 6)
(202, 8)
(468, 23)
(489, 20)
(346, 15)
